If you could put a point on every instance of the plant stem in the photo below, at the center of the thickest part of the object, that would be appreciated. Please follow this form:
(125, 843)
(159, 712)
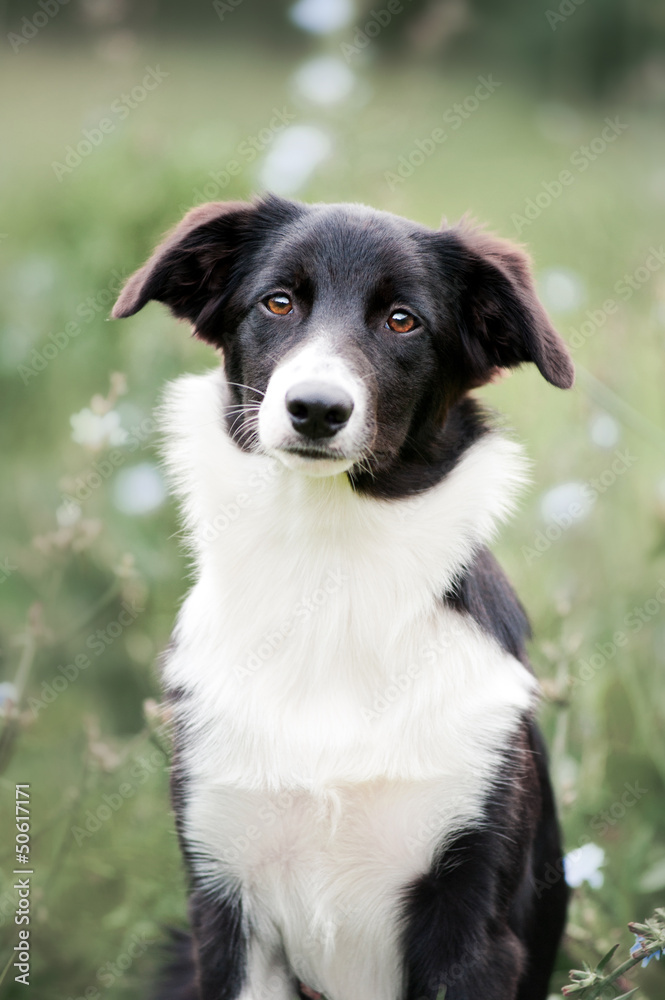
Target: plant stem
(630, 963)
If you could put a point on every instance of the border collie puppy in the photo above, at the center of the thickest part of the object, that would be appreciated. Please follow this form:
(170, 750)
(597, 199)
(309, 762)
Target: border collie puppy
(360, 790)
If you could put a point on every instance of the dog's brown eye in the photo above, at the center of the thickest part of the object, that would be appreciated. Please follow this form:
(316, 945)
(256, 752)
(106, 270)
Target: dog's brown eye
(281, 305)
(401, 321)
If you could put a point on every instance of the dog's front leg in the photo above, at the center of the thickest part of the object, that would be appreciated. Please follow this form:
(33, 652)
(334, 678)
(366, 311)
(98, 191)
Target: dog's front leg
(220, 943)
(488, 969)
(457, 935)
(231, 963)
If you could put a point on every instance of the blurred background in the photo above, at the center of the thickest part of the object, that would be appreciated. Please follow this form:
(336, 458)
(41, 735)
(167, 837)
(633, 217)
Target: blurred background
(547, 123)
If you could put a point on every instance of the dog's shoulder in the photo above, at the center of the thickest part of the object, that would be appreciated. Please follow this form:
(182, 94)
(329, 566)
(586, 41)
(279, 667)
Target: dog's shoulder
(483, 591)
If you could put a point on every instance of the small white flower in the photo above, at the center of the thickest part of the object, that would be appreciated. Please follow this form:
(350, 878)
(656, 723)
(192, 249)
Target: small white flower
(68, 513)
(139, 489)
(561, 289)
(604, 430)
(583, 865)
(7, 693)
(321, 17)
(325, 80)
(566, 503)
(293, 157)
(95, 429)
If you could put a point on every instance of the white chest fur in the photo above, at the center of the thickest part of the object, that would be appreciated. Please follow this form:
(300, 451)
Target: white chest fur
(341, 721)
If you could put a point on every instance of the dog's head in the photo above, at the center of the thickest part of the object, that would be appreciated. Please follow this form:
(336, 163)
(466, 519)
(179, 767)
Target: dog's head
(348, 334)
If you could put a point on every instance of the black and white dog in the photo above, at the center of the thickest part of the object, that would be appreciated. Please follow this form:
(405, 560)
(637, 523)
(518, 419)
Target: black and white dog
(360, 789)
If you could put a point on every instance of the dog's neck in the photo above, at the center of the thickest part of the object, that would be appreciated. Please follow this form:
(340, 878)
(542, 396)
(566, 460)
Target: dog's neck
(240, 507)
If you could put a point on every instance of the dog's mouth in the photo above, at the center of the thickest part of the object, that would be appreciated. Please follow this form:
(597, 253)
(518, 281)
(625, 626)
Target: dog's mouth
(314, 452)
(315, 460)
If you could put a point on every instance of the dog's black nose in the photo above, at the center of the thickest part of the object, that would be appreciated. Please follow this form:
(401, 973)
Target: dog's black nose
(318, 410)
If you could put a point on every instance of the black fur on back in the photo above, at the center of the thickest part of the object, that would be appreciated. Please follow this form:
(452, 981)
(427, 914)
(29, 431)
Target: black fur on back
(483, 592)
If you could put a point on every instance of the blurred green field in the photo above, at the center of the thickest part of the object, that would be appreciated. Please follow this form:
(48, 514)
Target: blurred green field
(103, 888)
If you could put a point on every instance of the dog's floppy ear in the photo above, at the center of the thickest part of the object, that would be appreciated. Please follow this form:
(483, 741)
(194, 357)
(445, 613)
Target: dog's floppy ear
(500, 320)
(190, 264)
(190, 270)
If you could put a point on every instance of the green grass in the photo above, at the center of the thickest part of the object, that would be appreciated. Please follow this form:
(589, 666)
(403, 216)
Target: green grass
(92, 894)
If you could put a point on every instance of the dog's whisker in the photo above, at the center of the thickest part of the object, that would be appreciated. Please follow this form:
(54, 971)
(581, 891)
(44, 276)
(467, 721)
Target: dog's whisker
(241, 385)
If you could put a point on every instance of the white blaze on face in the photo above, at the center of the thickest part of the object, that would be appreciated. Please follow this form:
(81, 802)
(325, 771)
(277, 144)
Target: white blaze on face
(316, 362)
